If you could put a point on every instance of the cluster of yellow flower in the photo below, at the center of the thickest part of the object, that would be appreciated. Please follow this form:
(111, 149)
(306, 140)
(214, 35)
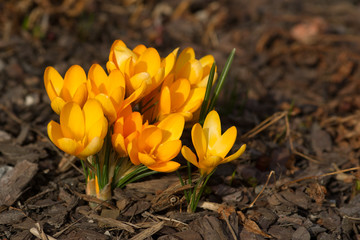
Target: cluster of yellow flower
(141, 106)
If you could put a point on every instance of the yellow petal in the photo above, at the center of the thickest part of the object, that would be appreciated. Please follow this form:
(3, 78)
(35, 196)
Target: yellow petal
(165, 101)
(68, 145)
(212, 128)
(199, 141)
(146, 159)
(57, 104)
(169, 62)
(54, 132)
(194, 100)
(179, 90)
(111, 66)
(121, 55)
(99, 129)
(80, 95)
(108, 107)
(150, 138)
(149, 61)
(186, 55)
(165, 166)
(98, 79)
(74, 77)
(189, 156)
(133, 123)
(53, 82)
(139, 49)
(223, 144)
(137, 80)
(118, 143)
(93, 147)
(116, 81)
(236, 155)
(192, 70)
(72, 121)
(210, 163)
(168, 150)
(172, 126)
(135, 95)
(133, 151)
(92, 113)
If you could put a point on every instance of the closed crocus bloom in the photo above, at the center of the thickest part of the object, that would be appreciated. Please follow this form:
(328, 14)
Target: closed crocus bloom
(126, 129)
(156, 145)
(196, 71)
(71, 88)
(211, 147)
(177, 96)
(81, 131)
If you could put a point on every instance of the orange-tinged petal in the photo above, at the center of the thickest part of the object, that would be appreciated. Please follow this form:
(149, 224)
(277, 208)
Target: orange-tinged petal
(133, 123)
(68, 145)
(192, 71)
(133, 151)
(53, 82)
(98, 79)
(189, 156)
(194, 100)
(180, 91)
(116, 81)
(72, 121)
(92, 113)
(210, 163)
(207, 61)
(223, 144)
(111, 66)
(168, 151)
(121, 55)
(108, 107)
(146, 159)
(149, 61)
(135, 95)
(199, 141)
(92, 148)
(236, 155)
(165, 101)
(139, 49)
(118, 143)
(99, 129)
(80, 95)
(186, 55)
(173, 126)
(212, 128)
(74, 77)
(57, 104)
(165, 166)
(54, 132)
(150, 138)
(137, 80)
(169, 62)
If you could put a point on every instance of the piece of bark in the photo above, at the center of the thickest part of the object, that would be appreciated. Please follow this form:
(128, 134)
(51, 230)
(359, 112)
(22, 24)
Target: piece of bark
(13, 182)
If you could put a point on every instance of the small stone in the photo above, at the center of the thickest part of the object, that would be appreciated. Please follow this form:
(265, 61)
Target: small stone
(301, 234)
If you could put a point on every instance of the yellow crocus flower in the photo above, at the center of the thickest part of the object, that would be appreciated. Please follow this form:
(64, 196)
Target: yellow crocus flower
(71, 88)
(140, 65)
(81, 131)
(211, 147)
(156, 145)
(109, 90)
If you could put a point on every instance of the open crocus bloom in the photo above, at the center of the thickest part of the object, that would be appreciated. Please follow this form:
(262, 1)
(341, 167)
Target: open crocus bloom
(156, 146)
(70, 89)
(177, 96)
(196, 71)
(211, 147)
(126, 129)
(81, 132)
(140, 65)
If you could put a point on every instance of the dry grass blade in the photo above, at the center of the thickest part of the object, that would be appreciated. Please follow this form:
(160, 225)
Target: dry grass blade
(38, 232)
(148, 232)
(262, 190)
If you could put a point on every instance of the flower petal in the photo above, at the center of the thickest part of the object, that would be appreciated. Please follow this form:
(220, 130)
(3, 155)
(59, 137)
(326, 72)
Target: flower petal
(192, 70)
(74, 77)
(168, 150)
(189, 156)
(169, 62)
(80, 95)
(133, 123)
(93, 147)
(54, 132)
(108, 107)
(179, 91)
(98, 79)
(146, 159)
(172, 126)
(199, 141)
(194, 100)
(137, 80)
(68, 145)
(92, 113)
(209, 164)
(170, 166)
(149, 139)
(133, 151)
(149, 61)
(57, 104)
(118, 143)
(236, 155)
(223, 144)
(72, 121)
(53, 82)
(212, 127)
(186, 55)
(165, 101)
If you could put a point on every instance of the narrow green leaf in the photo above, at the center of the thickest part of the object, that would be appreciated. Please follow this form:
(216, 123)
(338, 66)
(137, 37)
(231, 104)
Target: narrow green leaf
(221, 81)
(205, 103)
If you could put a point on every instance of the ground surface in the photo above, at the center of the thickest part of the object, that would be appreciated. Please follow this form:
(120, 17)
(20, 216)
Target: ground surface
(296, 66)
